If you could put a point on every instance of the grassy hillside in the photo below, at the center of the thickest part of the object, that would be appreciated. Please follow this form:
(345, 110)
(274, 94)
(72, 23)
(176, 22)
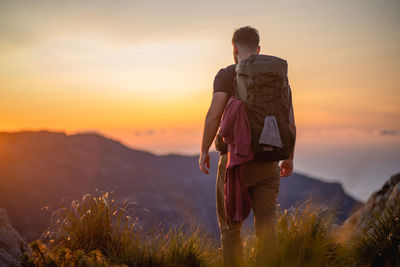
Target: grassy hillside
(94, 231)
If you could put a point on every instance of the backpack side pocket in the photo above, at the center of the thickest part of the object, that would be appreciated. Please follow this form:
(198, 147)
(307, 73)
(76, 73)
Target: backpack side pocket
(270, 136)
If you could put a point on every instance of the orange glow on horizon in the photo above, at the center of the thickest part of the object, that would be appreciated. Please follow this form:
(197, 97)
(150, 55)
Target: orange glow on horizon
(146, 79)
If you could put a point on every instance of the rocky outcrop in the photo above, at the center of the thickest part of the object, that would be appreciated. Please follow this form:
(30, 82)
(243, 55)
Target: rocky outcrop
(12, 245)
(387, 198)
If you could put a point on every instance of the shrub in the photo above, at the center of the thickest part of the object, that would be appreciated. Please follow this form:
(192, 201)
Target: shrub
(41, 256)
(97, 223)
(304, 236)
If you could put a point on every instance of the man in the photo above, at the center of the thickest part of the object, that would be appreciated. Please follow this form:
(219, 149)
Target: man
(262, 179)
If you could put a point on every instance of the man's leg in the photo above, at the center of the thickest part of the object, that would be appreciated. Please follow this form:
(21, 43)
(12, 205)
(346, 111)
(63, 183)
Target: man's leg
(231, 240)
(264, 196)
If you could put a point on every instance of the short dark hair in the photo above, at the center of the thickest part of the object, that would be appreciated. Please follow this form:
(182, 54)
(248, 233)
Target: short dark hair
(246, 37)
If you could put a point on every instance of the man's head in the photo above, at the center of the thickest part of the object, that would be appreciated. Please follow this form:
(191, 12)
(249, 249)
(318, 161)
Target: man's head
(245, 42)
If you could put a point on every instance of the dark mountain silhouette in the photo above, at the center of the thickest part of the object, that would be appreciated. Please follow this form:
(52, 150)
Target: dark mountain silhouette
(39, 171)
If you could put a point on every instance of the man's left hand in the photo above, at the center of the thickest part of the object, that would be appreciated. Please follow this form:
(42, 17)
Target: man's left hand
(286, 167)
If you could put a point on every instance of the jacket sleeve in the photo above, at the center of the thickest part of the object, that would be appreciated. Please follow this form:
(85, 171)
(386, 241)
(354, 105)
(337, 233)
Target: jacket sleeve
(227, 122)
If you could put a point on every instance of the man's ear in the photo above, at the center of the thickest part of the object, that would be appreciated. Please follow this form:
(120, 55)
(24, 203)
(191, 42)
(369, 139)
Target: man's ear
(258, 50)
(235, 53)
(235, 50)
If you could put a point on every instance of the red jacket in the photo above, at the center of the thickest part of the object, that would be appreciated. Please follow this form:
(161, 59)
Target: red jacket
(236, 132)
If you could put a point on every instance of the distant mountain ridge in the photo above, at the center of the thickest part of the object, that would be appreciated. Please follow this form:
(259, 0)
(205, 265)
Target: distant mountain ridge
(40, 170)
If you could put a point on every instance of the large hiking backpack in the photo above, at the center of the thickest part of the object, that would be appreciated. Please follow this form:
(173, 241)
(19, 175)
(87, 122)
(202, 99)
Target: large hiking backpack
(262, 83)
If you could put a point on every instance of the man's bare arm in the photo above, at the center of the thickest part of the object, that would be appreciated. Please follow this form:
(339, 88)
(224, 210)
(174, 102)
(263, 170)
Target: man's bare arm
(211, 125)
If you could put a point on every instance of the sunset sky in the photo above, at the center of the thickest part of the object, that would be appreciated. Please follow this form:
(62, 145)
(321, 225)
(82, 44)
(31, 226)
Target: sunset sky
(142, 71)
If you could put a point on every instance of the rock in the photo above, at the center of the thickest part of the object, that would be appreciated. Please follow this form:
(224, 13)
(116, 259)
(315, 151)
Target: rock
(387, 198)
(12, 245)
